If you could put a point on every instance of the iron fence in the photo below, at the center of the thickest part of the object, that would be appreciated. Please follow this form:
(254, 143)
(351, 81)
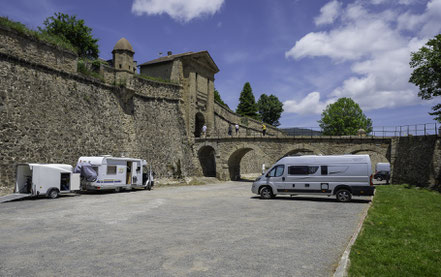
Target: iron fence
(377, 131)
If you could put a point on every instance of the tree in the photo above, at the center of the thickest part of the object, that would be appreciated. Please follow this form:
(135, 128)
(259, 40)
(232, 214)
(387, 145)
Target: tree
(247, 103)
(270, 109)
(218, 99)
(427, 72)
(69, 29)
(344, 117)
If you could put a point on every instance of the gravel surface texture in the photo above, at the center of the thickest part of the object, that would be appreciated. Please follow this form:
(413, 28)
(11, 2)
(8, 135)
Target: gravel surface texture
(212, 230)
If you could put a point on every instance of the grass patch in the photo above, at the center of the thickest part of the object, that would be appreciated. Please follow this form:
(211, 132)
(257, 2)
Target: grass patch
(84, 69)
(156, 79)
(42, 36)
(401, 235)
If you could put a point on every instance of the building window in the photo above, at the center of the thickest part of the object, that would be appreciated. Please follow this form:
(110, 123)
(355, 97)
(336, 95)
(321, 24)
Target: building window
(120, 66)
(111, 170)
(129, 67)
(302, 170)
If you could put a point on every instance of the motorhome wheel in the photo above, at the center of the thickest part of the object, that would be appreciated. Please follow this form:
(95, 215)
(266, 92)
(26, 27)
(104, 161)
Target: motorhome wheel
(266, 193)
(343, 195)
(53, 194)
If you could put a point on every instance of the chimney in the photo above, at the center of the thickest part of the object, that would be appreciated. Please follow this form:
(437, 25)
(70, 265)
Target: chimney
(169, 53)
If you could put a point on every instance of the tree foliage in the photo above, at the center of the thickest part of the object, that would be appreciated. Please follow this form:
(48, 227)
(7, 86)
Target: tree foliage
(344, 117)
(427, 72)
(73, 31)
(247, 103)
(218, 99)
(270, 109)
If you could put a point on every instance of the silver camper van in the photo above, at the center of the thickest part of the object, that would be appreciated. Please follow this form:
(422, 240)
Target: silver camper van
(114, 173)
(339, 175)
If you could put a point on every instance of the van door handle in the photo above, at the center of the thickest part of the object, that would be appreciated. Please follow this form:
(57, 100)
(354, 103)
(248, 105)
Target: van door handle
(283, 178)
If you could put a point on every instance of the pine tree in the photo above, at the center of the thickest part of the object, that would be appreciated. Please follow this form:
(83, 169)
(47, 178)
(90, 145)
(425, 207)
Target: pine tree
(247, 103)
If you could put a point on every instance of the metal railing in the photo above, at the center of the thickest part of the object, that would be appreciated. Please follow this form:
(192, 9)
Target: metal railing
(427, 129)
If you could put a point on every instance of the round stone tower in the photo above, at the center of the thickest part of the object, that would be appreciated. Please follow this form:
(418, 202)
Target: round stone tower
(123, 56)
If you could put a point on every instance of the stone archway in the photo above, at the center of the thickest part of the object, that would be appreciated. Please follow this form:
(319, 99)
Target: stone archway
(198, 123)
(301, 149)
(207, 158)
(234, 163)
(374, 152)
(235, 160)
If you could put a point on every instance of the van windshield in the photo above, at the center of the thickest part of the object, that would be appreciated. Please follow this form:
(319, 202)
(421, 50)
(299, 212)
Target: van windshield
(277, 171)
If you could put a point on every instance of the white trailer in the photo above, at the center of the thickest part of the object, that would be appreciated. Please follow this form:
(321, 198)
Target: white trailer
(116, 173)
(50, 180)
(339, 175)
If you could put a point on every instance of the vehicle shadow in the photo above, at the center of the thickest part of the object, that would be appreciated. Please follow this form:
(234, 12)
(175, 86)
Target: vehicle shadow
(311, 199)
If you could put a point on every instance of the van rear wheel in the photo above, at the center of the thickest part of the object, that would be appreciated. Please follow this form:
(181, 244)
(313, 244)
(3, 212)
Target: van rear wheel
(343, 195)
(53, 194)
(266, 193)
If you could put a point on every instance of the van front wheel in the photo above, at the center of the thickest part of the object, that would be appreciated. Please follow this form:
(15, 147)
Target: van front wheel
(343, 195)
(266, 193)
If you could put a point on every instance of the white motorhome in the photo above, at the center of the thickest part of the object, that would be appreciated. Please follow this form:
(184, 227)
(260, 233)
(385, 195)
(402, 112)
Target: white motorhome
(113, 173)
(339, 175)
(45, 179)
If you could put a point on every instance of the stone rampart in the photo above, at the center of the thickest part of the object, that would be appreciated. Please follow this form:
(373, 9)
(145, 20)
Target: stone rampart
(34, 51)
(51, 115)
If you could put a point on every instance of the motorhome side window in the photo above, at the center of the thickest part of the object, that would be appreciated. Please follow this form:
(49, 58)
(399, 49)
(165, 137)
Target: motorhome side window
(324, 169)
(276, 171)
(111, 170)
(302, 170)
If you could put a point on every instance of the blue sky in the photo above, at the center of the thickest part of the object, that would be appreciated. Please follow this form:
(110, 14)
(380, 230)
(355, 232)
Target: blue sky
(307, 53)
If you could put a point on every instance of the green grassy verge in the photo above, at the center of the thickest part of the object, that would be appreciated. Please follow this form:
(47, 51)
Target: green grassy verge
(401, 235)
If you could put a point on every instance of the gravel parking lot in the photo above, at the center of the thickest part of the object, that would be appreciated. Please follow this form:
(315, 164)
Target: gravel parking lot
(212, 230)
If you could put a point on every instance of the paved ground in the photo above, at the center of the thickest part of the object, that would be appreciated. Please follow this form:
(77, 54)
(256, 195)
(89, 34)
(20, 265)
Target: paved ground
(213, 230)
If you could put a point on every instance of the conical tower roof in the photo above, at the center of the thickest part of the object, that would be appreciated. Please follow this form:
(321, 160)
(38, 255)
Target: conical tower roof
(123, 44)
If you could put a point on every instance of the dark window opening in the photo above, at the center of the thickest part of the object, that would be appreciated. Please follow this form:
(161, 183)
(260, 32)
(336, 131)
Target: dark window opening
(120, 65)
(324, 169)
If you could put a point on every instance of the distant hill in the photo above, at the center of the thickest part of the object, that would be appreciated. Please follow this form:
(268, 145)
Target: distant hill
(300, 132)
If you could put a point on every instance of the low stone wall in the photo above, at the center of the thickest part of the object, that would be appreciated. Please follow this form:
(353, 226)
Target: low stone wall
(223, 117)
(35, 51)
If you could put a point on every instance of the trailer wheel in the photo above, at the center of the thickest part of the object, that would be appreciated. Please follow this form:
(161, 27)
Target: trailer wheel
(266, 193)
(53, 193)
(343, 195)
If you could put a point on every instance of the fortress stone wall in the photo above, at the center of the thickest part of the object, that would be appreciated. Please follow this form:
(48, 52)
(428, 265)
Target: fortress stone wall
(51, 114)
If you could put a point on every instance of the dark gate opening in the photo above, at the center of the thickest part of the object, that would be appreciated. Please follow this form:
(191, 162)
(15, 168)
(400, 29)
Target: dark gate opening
(199, 122)
(208, 161)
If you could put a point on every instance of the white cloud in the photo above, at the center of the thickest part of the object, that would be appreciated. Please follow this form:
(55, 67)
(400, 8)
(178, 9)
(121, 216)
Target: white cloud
(328, 13)
(378, 51)
(180, 10)
(311, 104)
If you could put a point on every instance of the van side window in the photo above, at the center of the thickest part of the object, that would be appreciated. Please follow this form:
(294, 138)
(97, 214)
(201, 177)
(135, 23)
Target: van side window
(111, 170)
(276, 171)
(302, 170)
(324, 169)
